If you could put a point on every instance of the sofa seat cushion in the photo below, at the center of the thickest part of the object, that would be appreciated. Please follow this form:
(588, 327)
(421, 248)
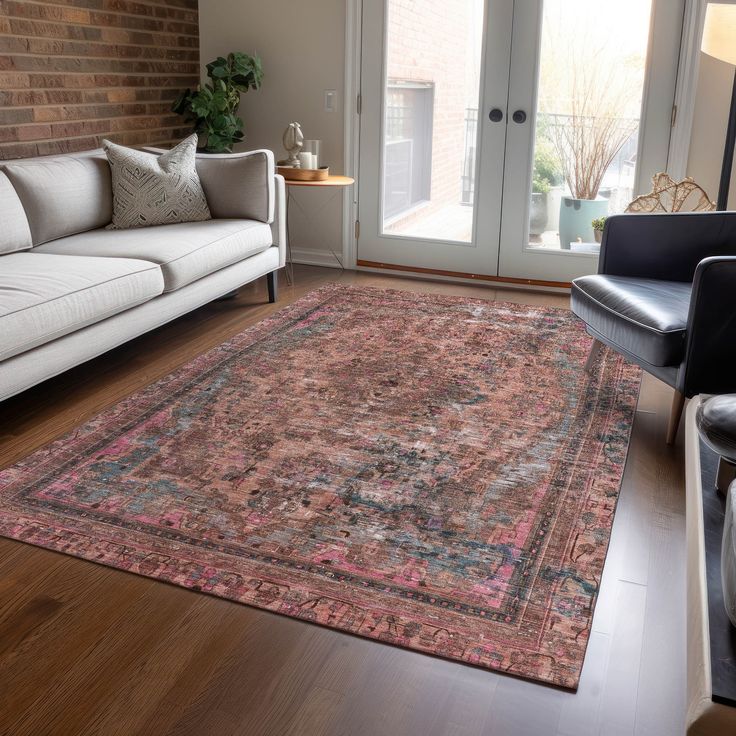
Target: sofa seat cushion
(43, 297)
(185, 251)
(645, 317)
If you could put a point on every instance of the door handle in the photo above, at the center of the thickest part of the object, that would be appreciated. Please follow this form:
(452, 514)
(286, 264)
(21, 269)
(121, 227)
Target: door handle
(519, 117)
(495, 115)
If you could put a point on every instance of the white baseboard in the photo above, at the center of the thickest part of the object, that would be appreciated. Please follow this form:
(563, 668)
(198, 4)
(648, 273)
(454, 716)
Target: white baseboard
(314, 258)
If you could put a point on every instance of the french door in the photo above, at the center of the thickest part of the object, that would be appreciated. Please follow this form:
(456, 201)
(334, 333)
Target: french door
(493, 132)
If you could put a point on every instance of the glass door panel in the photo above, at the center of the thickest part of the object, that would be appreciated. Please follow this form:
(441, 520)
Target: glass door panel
(588, 116)
(427, 156)
(559, 110)
(431, 97)
(590, 102)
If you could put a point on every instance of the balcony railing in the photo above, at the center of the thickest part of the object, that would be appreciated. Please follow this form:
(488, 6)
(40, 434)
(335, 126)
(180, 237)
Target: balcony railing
(621, 169)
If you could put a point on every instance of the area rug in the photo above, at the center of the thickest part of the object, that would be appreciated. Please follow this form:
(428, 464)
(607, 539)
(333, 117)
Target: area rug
(429, 471)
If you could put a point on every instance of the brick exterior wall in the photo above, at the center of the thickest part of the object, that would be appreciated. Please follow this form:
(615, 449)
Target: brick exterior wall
(429, 43)
(75, 71)
(426, 45)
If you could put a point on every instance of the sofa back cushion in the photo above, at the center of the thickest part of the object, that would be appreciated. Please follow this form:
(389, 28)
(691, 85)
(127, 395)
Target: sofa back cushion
(238, 186)
(15, 234)
(63, 195)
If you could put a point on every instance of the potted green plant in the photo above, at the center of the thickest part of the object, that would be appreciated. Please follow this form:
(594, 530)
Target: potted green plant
(547, 174)
(596, 116)
(212, 108)
(598, 225)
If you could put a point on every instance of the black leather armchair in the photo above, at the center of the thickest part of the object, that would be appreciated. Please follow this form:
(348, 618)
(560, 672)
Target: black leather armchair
(665, 298)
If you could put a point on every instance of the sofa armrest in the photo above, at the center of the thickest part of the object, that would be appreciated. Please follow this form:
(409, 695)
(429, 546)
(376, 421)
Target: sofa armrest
(278, 226)
(710, 350)
(666, 246)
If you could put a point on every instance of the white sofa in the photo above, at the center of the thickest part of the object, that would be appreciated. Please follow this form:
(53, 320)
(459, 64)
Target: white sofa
(71, 290)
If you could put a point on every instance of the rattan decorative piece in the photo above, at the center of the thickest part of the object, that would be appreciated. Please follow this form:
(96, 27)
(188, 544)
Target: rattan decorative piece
(668, 195)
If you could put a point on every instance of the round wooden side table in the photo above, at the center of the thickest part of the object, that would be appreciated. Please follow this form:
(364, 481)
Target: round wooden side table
(330, 181)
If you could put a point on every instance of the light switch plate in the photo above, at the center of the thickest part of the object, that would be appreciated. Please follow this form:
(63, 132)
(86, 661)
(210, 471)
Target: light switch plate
(330, 100)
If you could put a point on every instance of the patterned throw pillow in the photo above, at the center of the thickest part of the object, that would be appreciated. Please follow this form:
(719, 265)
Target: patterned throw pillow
(155, 190)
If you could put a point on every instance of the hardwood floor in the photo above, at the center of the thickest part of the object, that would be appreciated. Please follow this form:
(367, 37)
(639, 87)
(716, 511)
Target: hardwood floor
(85, 649)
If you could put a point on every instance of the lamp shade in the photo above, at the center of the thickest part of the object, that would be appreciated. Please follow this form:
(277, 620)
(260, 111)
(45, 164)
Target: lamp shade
(719, 32)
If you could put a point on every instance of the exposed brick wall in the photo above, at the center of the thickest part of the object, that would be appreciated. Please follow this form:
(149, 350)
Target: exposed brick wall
(430, 42)
(75, 71)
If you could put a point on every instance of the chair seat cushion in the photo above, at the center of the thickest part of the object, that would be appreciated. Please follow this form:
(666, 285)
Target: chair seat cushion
(185, 251)
(644, 317)
(43, 297)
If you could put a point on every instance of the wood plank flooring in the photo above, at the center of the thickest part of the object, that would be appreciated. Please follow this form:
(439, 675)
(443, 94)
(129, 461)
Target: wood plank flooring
(86, 649)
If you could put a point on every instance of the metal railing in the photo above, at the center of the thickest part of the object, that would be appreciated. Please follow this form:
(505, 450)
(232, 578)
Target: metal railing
(467, 196)
(626, 157)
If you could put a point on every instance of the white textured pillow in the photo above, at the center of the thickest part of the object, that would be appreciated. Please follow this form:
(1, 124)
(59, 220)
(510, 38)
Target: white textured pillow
(155, 190)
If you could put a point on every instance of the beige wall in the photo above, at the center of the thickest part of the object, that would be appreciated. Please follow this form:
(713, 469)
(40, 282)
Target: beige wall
(715, 82)
(302, 45)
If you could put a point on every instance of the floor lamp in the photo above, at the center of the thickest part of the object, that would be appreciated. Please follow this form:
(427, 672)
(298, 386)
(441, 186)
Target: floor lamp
(719, 41)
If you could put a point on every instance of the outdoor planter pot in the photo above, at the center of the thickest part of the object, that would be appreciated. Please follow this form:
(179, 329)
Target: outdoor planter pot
(538, 214)
(576, 217)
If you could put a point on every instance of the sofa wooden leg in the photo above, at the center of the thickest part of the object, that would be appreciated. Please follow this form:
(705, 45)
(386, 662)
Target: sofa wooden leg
(272, 287)
(595, 348)
(678, 402)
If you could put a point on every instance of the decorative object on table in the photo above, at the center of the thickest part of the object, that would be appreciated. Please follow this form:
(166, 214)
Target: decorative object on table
(728, 555)
(716, 422)
(663, 297)
(213, 108)
(293, 140)
(668, 195)
(306, 160)
(291, 173)
(719, 41)
(264, 497)
(142, 182)
(598, 224)
(313, 147)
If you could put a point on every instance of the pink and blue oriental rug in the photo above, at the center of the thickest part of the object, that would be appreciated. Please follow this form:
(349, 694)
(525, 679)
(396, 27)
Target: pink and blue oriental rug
(433, 472)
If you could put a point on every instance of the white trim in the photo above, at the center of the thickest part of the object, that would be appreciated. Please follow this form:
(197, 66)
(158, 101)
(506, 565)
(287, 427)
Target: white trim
(308, 257)
(639, 173)
(353, 29)
(480, 283)
(687, 82)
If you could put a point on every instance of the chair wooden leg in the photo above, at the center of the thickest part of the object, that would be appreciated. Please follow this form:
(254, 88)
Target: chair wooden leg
(678, 403)
(595, 348)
